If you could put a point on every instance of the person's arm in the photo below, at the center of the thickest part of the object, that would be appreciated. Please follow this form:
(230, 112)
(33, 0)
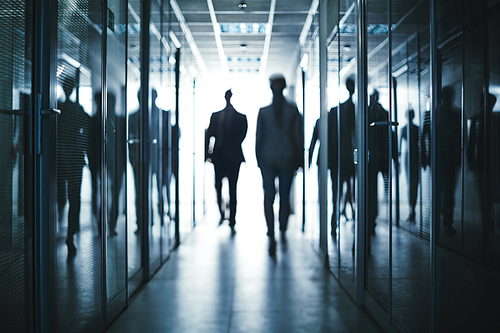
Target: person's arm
(314, 138)
(258, 136)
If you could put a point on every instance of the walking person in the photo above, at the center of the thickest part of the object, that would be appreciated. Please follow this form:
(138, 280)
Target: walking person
(226, 132)
(279, 148)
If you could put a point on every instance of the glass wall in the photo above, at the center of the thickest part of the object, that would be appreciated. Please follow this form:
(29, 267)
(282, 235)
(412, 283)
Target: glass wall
(430, 179)
(79, 165)
(16, 223)
(134, 141)
(466, 218)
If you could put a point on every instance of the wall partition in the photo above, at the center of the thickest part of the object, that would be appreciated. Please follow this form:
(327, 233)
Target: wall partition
(16, 168)
(421, 198)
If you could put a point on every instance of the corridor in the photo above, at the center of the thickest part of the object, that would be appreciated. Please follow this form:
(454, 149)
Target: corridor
(218, 282)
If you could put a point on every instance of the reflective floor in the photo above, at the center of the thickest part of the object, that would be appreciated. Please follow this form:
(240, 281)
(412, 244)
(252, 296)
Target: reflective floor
(216, 282)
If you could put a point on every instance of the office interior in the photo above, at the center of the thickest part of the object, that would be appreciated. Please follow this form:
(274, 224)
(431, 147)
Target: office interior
(411, 231)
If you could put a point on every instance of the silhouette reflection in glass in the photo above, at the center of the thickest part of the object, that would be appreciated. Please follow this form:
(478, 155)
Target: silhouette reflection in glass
(71, 149)
(134, 146)
(115, 169)
(448, 158)
(378, 159)
(410, 135)
(479, 161)
(347, 145)
(332, 159)
(279, 150)
(226, 132)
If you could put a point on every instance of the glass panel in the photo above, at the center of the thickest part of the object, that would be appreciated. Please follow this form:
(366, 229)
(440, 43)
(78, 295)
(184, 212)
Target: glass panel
(134, 188)
(155, 204)
(347, 138)
(333, 150)
(311, 115)
(16, 274)
(116, 148)
(410, 246)
(78, 152)
(379, 160)
(166, 103)
(467, 254)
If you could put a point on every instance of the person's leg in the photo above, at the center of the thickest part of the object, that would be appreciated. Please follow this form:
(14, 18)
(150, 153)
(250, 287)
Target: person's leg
(268, 177)
(285, 183)
(233, 180)
(74, 189)
(333, 177)
(218, 188)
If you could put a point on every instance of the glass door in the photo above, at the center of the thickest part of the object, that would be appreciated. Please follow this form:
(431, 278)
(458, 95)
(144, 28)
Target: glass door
(79, 165)
(16, 224)
(379, 217)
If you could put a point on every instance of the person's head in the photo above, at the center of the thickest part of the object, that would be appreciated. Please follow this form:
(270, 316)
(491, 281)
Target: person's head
(448, 95)
(349, 84)
(374, 97)
(277, 83)
(410, 114)
(228, 96)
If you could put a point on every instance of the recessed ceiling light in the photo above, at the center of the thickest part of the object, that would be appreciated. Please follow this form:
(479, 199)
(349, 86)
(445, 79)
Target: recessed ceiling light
(243, 47)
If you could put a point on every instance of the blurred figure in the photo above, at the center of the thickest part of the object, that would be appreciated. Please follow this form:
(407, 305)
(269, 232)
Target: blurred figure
(347, 119)
(410, 134)
(72, 146)
(479, 161)
(279, 150)
(378, 145)
(114, 151)
(333, 163)
(448, 157)
(134, 146)
(228, 128)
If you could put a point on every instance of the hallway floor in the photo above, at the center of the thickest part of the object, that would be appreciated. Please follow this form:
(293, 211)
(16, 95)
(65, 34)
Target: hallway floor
(218, 282)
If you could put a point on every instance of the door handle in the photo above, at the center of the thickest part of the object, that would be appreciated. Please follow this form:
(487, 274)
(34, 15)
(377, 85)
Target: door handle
(50, 112)
(384, 123)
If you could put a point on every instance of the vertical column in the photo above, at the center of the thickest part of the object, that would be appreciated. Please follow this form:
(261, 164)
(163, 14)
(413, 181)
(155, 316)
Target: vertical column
(323, 129)
(361, 116)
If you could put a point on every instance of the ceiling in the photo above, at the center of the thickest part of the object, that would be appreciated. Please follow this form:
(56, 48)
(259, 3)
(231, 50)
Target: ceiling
(245, 43)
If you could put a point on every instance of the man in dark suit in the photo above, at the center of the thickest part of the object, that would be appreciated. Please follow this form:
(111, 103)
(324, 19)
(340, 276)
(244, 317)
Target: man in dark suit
(347, 146)
(226, 132)
(333, 160)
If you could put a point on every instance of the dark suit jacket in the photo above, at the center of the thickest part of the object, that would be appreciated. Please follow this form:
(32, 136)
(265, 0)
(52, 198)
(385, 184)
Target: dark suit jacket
(229, 129)
(333, 141)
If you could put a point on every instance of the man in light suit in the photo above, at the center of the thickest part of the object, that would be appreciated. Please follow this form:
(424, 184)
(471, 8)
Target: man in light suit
(224, 136)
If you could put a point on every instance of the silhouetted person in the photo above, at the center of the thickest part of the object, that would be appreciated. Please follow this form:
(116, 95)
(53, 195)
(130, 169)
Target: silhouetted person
(410, 134)
(333, 163)
(228, 127)
(134, 146)
(114, 152)
(479, 161)
(279, 149)
(448, 157)
(166, 156)
(347, 119)
(72, 146)
(378, 160)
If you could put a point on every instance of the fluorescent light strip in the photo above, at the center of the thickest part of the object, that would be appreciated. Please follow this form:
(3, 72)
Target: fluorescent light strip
(220, 49)
(309, 19)
(189, 37)
(267, 41)
(174, 39)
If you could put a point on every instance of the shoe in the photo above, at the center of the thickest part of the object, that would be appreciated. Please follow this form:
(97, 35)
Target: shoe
(272, 247)
(71, 248)
(233, 232)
